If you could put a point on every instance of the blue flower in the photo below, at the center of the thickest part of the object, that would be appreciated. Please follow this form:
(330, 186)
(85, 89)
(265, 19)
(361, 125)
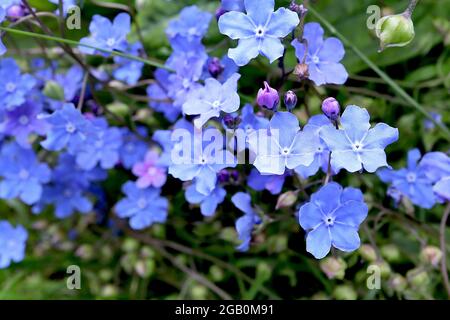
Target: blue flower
(233, 5)
(66, 4)
(23, 121)
(129, 71)
(283, 145)
(208, 203)
(430, 125)
(201, 162)
(191, 24)
(101, 147)
(67, 191)
(259, 31)
(323, 56)
(12, 243)
(159, 99)
(332, 218)
(322, 154)
(272, 183)
(245, 224)
(71, 82)
(5, 4)
(212, 99)
(144, 207)
(250, 122)
(2, 17)
(69, 171)
(66, 197)
(14, 86)
(106, 35)
(356, 145)
(23, 176)
(133, 148)
(437, 168)
(411, 181)
(69, 128)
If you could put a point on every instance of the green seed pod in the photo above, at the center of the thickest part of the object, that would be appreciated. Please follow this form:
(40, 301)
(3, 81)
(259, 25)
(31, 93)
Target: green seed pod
(395, 31)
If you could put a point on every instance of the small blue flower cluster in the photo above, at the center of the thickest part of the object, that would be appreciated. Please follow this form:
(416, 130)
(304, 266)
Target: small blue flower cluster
(54, 154)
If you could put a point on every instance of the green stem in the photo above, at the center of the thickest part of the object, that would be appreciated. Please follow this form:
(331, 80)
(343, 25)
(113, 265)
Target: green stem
(76, 43)
(402, 93)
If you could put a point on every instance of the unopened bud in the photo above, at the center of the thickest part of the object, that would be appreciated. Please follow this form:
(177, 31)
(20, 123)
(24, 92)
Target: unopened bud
(345, 292)
(418, 277)
(395, 31)
(290, 100)
(268, 97)
(215, 67)
(334, 268)
(390, 252)
(231, 122)
(398, 283)
(431, 255)
(301, 71)
(15, 12)
(368, 252)
(331, 108)
(286, 199)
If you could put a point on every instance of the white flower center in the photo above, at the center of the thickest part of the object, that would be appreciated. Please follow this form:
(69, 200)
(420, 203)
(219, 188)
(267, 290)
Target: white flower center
(67, 193)
(142, 203)
(315, 59)
(260, 32)
(70, 128)
(23, 120)
(10, 87)
(216, 104)
(111, 42)
(192, 31)
(186, 83)
(411, 177)
(24, 174)
(357, 147)
(151, 171)
(129, 147)
(285, 151)
(329, 220)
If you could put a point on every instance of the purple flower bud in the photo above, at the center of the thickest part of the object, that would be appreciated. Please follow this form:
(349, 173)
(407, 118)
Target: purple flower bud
(223, 176)
(268, 97)
(219, 12)
(15, 12)
(234, 175)
(215, 67)
(299, 8)
(290, 100)
(331, 108)
(230, 121)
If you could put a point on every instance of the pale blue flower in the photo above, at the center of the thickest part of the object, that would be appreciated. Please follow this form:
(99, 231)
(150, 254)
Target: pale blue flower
(332, 218)
(191, 24)
(12, 243)
(283, 145)
(208, 203)
(323, 56)
(144, 207)
(259, 31)
(357, 145)
(212, 99)
(107, 35)
(245, 224)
